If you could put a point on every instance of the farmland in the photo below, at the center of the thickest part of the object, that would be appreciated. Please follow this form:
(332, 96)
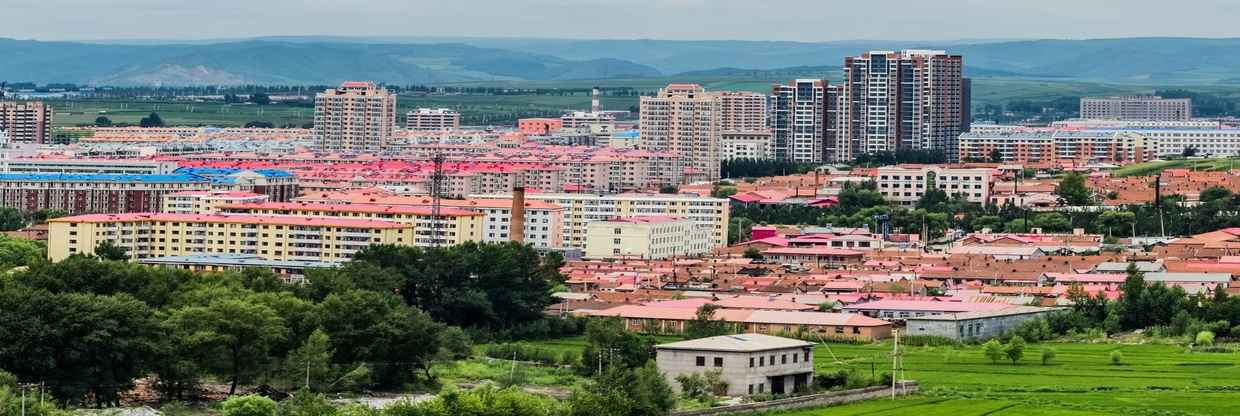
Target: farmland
(1153, 379)
(1152, 168)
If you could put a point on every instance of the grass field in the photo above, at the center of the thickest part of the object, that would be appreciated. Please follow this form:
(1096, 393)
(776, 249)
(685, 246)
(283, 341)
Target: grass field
(1152, 168)
(1153, 380)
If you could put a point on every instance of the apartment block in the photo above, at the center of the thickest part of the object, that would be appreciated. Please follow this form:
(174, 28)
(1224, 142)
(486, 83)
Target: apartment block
(275, 237)
(913, 99)
(742, 112)
(453, 226)
(93, 193)
(26, 121)
(747, 145)
(906, 186)
(207, 202)
(684, 119)
(356, 117)
(433, 119)
(1137, 108)
(537, 126)
(651, 237)
(113, 166)
(579, 210)
(799, 121)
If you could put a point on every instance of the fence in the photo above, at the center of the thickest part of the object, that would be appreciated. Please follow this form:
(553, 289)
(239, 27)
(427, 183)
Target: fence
(800, 402)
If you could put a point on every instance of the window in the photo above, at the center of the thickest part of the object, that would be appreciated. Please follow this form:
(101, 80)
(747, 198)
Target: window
(761, 361)
(718, 361)
(794, 358)
(701, 361)
(751, 389)
(751, 366)
(761, 387)
(807, 356)
(783, 359)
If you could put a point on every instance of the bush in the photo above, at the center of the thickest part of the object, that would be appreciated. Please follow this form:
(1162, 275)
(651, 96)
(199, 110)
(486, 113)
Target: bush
(1048, 355)
(248, 405)
(993, 350)
(828, 381)
(1117, 358)
(1015, 349)
(928, 341)
(1205, 338)
(305, 403)
(524, 352)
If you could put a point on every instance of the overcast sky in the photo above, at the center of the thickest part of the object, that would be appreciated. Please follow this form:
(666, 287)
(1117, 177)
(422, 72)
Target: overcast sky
(803, 20)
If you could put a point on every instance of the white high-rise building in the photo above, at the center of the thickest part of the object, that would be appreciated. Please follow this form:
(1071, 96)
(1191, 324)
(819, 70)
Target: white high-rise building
(685, 119)
(356, 117)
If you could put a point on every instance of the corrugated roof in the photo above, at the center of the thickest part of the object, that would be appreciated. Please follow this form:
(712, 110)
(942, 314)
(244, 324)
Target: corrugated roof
(736, 343)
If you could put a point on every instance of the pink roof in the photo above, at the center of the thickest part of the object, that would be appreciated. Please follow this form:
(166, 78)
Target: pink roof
(814, 318)
(776, 241)
(653, 219)
(929, 306)
(224, 194)
(363, 208)
(1088, 277)
(818, 251)
(232, 219)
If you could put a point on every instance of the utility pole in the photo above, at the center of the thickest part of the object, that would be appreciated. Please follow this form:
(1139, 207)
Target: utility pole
(897, 363)
(307, 374)
(512, 373)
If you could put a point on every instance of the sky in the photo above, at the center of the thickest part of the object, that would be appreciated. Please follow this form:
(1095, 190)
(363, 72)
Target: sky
(796, 20)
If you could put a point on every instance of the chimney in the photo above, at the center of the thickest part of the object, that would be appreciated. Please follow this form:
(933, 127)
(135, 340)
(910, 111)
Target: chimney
(516, 228)
(594, 102)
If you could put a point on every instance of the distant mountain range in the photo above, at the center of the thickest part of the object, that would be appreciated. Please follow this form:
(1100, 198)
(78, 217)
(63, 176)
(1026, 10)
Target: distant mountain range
(433, 60)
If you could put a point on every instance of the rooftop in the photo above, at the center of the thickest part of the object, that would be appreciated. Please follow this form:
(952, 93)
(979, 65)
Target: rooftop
(736, 343)
(230, 219)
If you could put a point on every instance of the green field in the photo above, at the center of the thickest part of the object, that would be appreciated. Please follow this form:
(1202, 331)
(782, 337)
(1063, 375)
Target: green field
(1154, 379)
(1152, 168)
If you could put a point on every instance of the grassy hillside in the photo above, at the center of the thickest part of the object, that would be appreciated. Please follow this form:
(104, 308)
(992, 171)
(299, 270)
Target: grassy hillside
(959, 381)
(1152, 168)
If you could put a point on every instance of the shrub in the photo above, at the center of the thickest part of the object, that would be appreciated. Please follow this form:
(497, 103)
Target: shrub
(1205, 338)
(828, 381)
(1117, 358)
(1048, 355)
(1015, 349)
(523, 352)
(993, 350)
(928, 341)
(248, 405)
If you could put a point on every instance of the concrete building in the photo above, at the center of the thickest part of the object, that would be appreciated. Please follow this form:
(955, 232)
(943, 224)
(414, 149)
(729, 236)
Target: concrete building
(799, 122)
(913, 99)
(537, 126)
(26, 121)
(292, 271)
(749, 363)
(270, 237)
(1137, 108)
(279, 185)
(454, 225)
(685, 119)
(906, 186)
(976, 325)
(579, 210)
(889, 309)
(207, 202)
(585, 119)
(356, 117)
(651, 237)
(1030, 146)
(747, 145)
(433, 119)
(742, 112)
(93, 193)
(134, 167)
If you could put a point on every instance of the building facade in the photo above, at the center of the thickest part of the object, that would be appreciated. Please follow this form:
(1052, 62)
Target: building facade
(911, 100)
(652, 237)
(906, 186)
(684, 119)
(453, 226)
(355, 117)
(1137, 108)
(90, 193)
(433, 119)
(747, 145)
(207, 202)
(26, 121)
(748, 363)
(742, 112)
(799, 121)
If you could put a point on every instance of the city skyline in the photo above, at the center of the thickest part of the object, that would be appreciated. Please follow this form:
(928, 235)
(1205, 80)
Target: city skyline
(643, 19)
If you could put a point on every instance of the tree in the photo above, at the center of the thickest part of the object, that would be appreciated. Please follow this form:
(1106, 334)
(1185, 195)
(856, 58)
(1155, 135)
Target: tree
(1117, 358)
(1015, 349)
(609, 344)
(1204, 338)
(11, 219)
(993, 350)
(1048, 355)
(15, 252)
(1072, 190)
(996, 156)
(1116, 219)
(618, 391)
(233, 335)
(1052, 222)
(310, 366)
(305, 403)
(993, 222)
(1189, 151)
(704, 323)
(102, 121)
(152, 120)
(260, 98)
(668, 189)
(107, 250)
(259, 124)
(248, 405)
(752, 253)
(1215, 193)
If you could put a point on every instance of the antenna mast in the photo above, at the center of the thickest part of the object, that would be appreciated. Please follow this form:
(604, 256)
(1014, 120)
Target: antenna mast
(437, 179)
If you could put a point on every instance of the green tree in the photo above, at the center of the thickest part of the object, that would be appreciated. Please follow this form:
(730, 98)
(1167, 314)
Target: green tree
(1015, 349)
(1122, 220)
(668, 189)
(233, 334)
(1117, 358)
(993, 350)
(1048, 355)
(248, 405)
(152, 120)
(996, 156)
(609, 344)
(1072, 190)
(704, 323)
(102, 121)
(11, 219)
(752, 253)
(305, 403)
(993, 222)
(1215, 193)
(107, 250)
(1052, 222)
(260, 98)
(619, 391)
(310, 365)
(1204, 338)
(16, 252)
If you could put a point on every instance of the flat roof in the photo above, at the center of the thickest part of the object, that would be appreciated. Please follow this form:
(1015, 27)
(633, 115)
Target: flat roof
(232, 219)
(366, 208)
(737, 343)
(1015, 310)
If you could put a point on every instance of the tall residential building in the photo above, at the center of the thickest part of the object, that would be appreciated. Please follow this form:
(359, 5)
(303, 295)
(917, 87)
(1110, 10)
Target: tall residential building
(799, 121)
(1137, 108)
(685, 119)
(357, 116)
(433, 119)
(26, 121)
(909, 100)
(742, 112)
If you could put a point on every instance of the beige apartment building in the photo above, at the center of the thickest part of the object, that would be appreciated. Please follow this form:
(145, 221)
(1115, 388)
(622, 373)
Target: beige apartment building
(742, 112)
(652, 237)
(747, 145)
(685, 119)
(356, 117)
(433, 119)
(906, 186)
(26, 121)
(1137, 108)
